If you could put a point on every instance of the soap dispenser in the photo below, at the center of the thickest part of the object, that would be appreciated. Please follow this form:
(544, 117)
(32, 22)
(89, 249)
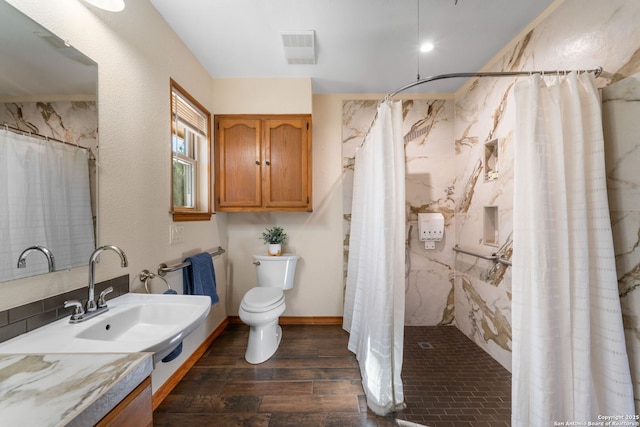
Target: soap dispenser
(430, 228)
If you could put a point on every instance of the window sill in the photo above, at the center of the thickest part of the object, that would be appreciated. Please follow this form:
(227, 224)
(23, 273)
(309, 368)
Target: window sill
(191, 216)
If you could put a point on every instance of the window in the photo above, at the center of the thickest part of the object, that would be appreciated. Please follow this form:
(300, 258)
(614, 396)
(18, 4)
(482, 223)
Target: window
(190, 157)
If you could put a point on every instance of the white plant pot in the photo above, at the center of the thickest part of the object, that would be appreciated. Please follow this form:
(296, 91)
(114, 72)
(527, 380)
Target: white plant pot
(275, 249)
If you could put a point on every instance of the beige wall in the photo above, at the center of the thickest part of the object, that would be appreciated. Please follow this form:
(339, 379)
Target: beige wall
(262, 96)
(136, 53)
(317, 236)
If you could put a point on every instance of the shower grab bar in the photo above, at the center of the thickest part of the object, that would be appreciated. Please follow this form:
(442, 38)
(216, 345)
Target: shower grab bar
(504, 261)
(164, 268)
(493, 257)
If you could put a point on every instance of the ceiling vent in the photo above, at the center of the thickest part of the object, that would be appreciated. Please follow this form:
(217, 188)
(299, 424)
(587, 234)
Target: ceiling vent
(299, 47)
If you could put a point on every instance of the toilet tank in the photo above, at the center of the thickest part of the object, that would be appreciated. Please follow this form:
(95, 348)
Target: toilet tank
(276, 271)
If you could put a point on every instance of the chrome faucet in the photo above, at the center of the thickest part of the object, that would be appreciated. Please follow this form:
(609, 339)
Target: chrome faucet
(93, 308)
(91, 304)
(22, 260)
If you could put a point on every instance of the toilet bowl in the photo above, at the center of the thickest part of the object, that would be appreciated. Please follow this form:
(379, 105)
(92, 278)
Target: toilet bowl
(262, 306)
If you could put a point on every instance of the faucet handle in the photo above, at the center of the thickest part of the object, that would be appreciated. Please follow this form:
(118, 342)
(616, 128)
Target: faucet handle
(103, 294)
(77, 311)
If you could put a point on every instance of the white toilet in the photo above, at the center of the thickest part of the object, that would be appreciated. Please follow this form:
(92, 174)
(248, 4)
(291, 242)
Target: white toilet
(262, 306)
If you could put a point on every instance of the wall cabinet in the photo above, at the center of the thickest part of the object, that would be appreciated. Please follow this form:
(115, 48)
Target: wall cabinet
(263, 163)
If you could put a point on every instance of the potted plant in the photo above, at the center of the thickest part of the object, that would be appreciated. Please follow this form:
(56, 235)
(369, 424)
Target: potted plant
(274, 237)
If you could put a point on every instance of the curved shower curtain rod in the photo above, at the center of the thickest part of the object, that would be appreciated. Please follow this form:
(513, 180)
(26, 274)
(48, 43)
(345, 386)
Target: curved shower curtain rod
(597, 71)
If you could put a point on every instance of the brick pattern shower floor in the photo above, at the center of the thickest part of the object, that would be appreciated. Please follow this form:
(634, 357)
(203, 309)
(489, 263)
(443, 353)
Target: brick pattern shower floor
(313, 380)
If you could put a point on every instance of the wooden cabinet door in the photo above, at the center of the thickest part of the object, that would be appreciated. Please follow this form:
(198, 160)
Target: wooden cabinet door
(287, 167)
(239, 162)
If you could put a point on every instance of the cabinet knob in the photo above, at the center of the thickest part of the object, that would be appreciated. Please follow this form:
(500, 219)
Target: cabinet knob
(267, 163)
(257, 162)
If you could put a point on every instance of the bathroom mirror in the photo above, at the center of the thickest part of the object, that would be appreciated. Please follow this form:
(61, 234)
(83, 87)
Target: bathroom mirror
(48, 88)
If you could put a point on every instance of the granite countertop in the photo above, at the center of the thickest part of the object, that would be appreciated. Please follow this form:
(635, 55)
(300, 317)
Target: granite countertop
(66, 389)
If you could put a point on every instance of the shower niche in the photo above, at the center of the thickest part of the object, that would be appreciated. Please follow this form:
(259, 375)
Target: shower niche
(490, 226)
(491, 149)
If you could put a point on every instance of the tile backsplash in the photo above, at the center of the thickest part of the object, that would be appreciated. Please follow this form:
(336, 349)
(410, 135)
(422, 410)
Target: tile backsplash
(25, 318)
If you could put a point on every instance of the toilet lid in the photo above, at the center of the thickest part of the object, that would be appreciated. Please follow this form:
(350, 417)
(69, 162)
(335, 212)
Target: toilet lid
(262, 297)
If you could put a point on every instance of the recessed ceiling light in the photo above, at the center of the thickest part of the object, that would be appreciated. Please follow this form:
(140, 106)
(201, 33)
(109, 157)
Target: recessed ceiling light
(426, 47)
(108, 5)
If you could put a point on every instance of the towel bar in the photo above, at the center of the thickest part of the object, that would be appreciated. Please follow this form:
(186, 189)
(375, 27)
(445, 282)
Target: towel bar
(493, 257)
(164, 268)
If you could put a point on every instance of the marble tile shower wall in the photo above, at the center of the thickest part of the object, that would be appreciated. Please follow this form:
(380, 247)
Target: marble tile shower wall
(72, 121)
(446, 173)
(430, 182)
(578, 34)
(621, 110)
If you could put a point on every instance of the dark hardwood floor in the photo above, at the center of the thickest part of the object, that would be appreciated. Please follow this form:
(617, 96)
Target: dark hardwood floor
(313, 380)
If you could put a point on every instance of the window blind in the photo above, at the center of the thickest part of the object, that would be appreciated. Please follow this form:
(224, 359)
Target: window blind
(189, 115)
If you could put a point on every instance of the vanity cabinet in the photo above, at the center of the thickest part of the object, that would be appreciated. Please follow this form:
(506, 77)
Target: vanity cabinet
(134, 411)
(263, 163)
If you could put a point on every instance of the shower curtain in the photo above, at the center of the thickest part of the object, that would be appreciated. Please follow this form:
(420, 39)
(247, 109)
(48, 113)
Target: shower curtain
(374, 295)
(569, 354)
(44, 188)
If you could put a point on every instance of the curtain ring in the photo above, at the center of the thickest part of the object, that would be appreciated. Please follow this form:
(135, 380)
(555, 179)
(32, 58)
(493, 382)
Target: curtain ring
(146, 275)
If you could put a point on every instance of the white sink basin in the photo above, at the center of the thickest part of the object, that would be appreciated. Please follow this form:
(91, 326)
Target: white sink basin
(134, 323)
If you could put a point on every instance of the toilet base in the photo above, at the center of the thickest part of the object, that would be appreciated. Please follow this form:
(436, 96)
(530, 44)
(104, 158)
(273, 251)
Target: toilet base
(263, 342)
(264, 331)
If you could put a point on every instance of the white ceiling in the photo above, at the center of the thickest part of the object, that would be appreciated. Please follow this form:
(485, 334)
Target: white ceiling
(362, 46)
